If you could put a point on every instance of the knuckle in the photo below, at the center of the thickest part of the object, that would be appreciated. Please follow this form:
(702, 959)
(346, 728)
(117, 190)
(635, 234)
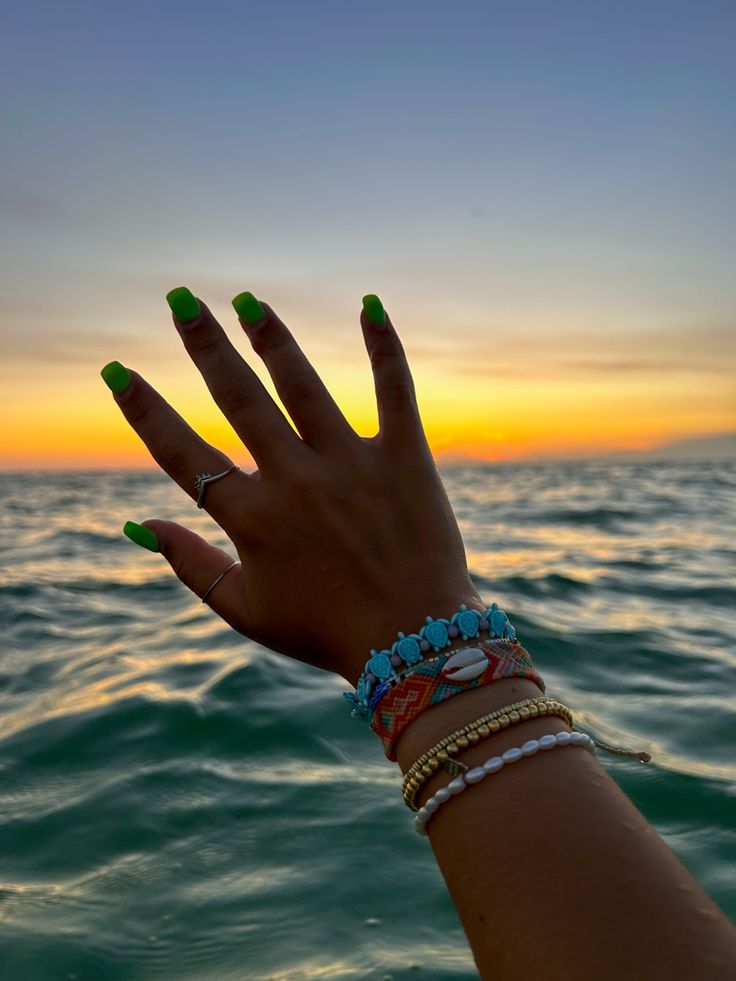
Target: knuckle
(203, 341)
(300, 477)
(392, 353)
(174, 459)
(138, 412)
(298, 391)
(393, 379)
(237, 398)
(268, 339)
(398, 392)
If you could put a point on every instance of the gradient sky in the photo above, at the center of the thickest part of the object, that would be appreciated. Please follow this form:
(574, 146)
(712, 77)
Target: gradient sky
(542, 194)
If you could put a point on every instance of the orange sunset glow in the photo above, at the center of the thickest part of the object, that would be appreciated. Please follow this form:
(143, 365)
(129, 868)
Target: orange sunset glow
(466, 415)
(555, 247)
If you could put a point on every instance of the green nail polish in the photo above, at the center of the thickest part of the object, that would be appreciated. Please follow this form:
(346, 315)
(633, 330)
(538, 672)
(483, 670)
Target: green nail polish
(374, 309)
(116, 376)
(183, 304)
(248, 308)
(141, 536)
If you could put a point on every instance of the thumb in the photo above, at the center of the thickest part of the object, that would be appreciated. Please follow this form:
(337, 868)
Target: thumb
(198, 564)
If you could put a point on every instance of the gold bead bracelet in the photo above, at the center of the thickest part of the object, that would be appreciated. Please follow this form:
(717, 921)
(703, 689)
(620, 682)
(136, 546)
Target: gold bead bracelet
(441, 754)
(472, 725)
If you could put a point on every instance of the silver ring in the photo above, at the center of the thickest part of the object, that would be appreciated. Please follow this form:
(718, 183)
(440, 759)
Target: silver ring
(202, 479)
(221, 576)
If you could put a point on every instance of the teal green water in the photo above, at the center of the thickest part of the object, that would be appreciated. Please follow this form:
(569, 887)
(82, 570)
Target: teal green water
(177, 802)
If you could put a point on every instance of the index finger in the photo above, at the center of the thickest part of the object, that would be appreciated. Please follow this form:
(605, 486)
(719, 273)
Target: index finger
(174, 445)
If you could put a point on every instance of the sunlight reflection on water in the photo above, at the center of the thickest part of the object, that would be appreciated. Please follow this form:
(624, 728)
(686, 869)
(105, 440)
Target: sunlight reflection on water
(163, 777)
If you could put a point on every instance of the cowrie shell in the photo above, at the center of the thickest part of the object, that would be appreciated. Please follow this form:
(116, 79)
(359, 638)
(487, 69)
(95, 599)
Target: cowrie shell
(465, 665)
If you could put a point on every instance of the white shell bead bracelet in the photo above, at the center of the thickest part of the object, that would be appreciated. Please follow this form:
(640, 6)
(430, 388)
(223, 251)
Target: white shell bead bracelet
(493, 765)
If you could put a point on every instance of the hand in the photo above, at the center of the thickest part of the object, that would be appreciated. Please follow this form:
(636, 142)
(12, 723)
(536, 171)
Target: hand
(343, 540)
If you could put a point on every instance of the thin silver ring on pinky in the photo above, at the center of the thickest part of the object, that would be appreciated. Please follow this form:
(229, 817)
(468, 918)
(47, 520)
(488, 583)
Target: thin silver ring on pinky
(221, 576)
(203, 479)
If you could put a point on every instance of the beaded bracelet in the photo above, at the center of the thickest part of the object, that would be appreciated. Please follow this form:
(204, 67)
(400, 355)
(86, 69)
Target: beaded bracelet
(440, 756)
(434, 681)
(493, 765)
(462, 664)
(408, 649)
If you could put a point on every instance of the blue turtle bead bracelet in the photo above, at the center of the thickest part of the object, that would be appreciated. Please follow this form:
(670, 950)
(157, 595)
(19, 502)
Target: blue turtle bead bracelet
(409, 649)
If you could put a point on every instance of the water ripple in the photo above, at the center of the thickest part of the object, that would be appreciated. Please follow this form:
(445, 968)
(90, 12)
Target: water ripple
(176, 801)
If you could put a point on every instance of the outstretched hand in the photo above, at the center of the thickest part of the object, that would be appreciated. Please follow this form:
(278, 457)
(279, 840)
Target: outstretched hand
(342, 540)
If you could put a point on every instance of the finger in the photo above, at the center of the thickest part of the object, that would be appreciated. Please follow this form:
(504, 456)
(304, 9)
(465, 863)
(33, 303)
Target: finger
(398, 413)
(311, 407)
(198, 564)
(235, 387)
(174, 445)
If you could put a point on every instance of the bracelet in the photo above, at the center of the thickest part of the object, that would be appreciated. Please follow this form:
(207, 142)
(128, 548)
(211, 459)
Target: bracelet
(462, 664)
(434, 681)
(440, 756)
(493, 765)
(528, 708)
(409, 648)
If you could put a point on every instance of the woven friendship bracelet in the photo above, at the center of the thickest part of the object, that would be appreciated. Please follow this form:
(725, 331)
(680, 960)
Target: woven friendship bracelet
(409, 649)
(463, 663)
(440, 756)
(430, 683)
(493, 765)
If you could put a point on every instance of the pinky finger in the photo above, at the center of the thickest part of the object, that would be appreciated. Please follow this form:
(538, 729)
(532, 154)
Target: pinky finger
(198, 564)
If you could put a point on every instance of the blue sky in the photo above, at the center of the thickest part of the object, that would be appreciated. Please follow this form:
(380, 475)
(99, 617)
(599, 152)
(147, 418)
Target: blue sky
(544, 188)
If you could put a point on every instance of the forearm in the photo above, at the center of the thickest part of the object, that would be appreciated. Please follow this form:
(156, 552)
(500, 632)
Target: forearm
(553, 871)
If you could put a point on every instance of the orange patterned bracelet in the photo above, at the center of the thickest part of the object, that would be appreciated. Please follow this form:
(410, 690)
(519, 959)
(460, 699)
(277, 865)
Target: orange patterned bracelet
(434, 681)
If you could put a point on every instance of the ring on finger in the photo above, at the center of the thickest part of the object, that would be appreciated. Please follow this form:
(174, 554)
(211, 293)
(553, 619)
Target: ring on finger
(221, 576)
(203, 479)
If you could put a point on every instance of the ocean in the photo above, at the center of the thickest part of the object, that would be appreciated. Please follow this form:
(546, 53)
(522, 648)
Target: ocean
(177, 802)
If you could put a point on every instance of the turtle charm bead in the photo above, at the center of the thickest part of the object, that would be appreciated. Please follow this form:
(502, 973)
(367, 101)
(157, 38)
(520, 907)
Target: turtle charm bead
(500, 626)
(467, 622)
(498, 621)
(380, 665)
(387, 668)
(435, 632)
(408, 649)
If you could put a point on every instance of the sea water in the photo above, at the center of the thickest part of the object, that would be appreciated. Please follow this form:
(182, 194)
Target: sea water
(177, 802)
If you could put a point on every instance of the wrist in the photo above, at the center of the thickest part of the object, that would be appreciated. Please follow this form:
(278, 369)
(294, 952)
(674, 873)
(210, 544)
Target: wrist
(410, 620)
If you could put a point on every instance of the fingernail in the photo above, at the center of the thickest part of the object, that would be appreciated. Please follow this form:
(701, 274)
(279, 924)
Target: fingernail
(374, 310)
(248, 308)
(116, 376)
(142, 536)
(183, 304)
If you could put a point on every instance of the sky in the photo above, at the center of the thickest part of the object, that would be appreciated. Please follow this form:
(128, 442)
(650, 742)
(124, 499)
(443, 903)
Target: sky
(542, 194)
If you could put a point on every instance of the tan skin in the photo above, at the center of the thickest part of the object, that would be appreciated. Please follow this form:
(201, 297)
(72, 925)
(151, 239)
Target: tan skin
(309, 585)
(343, 540)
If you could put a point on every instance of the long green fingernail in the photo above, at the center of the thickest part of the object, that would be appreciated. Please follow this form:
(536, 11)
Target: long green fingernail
(142, 536)
(116, 376)
(183, 304)
(248, 308)
(374, 309)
